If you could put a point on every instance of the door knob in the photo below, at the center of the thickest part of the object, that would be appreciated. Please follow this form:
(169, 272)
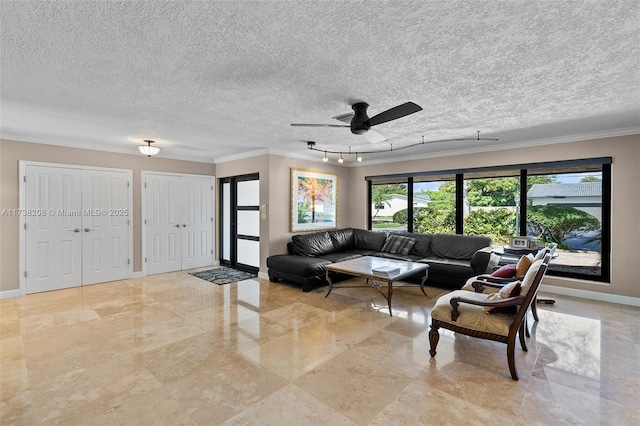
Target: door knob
(178, 226)
(88, 229)
(75, 230)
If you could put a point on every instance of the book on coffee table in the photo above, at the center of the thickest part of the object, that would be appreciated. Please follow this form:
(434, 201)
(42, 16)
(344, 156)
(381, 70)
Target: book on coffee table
(386, 270)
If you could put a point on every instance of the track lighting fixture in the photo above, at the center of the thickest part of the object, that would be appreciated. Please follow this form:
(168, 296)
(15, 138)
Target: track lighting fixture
(358, 154)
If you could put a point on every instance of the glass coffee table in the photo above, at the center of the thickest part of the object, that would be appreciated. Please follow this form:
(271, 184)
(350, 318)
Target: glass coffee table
(364, 267)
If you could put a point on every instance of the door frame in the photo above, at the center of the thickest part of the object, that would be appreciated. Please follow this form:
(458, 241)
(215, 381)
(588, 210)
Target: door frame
(233, 181)
(22, 248)
(143, 211)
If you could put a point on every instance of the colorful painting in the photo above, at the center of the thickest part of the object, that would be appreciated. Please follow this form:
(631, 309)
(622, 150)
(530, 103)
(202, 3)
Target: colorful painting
(314, 200)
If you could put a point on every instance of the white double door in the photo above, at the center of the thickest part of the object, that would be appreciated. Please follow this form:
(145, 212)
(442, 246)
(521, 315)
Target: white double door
(178, 222)
(77, 226)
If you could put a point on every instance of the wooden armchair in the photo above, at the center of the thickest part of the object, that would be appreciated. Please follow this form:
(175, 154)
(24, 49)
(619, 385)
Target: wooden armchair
(487, 283)
(462, 312)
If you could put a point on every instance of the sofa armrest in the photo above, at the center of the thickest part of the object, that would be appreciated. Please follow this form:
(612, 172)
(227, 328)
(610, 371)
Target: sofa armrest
(480, 260)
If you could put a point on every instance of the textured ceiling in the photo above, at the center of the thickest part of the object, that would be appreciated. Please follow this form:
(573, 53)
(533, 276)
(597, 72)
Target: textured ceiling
(216, 79)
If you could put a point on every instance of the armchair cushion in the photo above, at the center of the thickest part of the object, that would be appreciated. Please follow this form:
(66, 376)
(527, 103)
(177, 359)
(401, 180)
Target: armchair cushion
(523, 265)
(530, 276)
(507, 271)
(471, 316)
(509, 290)
(396, 244)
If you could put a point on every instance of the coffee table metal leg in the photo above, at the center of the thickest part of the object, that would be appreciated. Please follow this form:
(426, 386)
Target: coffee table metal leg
(389, 296)
(424, 279)
(330, 283)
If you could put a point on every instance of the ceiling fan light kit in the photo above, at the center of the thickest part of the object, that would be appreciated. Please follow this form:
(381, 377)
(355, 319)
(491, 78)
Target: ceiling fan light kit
(147, 149)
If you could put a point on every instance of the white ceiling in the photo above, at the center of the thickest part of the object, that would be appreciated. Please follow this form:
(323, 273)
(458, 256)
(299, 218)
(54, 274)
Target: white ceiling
(209, 80)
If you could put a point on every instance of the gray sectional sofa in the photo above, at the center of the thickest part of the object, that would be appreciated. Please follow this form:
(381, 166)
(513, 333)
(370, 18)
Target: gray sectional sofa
(452, 258)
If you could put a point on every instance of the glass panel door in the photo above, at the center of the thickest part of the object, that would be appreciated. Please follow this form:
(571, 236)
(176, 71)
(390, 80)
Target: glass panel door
(240, 222)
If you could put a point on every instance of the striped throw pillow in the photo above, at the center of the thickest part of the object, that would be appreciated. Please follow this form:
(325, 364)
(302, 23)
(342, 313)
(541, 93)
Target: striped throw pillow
(397, 244)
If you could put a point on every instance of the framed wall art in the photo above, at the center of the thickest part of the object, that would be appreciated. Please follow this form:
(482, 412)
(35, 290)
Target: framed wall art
(314, 200)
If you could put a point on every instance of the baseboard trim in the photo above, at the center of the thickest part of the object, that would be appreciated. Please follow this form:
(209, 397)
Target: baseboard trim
(9, 294)
(592, 295)
(137, 275)
(263, 275)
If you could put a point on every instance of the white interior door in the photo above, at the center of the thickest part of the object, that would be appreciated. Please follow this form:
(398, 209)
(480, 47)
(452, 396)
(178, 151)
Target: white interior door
(163, 224)
(52, 234)
(178, 222)
(197, 225)
(105, 222)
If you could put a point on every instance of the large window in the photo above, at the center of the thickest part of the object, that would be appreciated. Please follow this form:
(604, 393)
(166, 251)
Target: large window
(389, 203)
(565, 202)
(566, 208)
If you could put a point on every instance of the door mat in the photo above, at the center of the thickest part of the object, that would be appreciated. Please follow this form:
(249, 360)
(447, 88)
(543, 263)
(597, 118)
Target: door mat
(223, 275)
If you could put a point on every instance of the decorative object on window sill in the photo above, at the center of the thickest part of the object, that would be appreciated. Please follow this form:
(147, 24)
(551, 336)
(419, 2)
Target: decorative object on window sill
(147, 149)
(358, 154)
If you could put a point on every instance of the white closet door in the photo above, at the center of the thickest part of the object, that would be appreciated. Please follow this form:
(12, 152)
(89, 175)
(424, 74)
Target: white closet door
(163, 224)
(52, 235)
(105, 221)
(197, 225)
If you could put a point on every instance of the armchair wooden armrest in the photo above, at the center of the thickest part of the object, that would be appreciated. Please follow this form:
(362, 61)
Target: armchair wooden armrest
(509, 301)
(479, 283)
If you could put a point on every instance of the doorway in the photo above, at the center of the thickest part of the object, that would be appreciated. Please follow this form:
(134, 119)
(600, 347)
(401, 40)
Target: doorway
(240, 222)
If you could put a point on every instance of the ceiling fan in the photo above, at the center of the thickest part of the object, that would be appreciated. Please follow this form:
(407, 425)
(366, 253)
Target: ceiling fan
(360, 123)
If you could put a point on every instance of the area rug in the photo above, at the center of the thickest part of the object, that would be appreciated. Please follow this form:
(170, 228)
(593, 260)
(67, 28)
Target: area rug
(223, 275)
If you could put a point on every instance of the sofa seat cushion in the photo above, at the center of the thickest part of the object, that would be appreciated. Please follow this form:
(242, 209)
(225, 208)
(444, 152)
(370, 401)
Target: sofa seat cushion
(471, 316)
(459, 247)
(314, 244)
(339, 257)
(394, 256)
(364, 252)
(448, 267)
(297, 265)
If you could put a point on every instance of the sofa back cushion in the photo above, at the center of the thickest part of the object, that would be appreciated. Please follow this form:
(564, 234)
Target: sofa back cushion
(369, 240)
(342, 239)
(422, 242)
(454, 246)
(315, 244)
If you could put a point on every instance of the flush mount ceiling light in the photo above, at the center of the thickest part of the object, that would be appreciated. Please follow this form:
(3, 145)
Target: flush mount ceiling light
(358, 155)
(147, 149)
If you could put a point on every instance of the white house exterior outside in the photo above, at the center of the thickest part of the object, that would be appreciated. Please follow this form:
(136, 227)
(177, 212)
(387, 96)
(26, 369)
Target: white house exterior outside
(397, 202)
(585, 196)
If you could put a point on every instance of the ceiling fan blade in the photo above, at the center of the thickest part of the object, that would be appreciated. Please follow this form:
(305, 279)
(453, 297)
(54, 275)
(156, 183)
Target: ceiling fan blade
(374, 137)
(394, 113)
(345, 118)
(319, 125)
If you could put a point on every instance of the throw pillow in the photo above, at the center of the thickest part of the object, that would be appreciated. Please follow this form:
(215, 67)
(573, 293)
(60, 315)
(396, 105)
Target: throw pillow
(523, 265)
(509, 290)
(396, 244)
(507, 271)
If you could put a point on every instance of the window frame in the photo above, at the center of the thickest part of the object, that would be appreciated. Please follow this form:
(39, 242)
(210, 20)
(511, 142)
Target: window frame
(525, 169)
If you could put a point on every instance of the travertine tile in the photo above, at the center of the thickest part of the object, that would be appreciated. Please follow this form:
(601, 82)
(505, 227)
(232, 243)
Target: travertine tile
(356, 387)
(289, 405)
(174, 349)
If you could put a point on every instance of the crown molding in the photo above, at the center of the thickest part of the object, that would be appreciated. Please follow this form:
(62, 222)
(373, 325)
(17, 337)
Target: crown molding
(513, 145)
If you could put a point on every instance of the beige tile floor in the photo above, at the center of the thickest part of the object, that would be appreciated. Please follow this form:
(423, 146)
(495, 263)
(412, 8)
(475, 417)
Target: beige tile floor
(173, 349)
